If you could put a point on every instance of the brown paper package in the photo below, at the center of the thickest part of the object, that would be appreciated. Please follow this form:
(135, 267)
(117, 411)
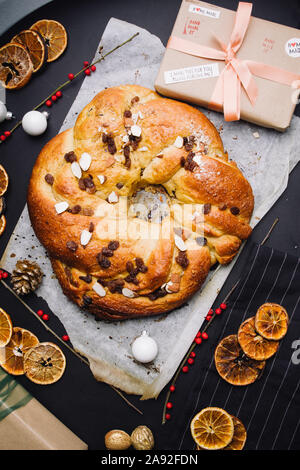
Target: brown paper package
(264, 42)
(25, 424)
(33, 427)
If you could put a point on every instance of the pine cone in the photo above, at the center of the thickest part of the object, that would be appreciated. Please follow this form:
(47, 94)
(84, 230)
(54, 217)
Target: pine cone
(26, 277)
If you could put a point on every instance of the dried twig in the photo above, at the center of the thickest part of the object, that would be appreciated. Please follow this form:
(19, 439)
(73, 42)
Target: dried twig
(60, 87)
(63, 342)
(189, 352)
(270, 231)
(205, 328)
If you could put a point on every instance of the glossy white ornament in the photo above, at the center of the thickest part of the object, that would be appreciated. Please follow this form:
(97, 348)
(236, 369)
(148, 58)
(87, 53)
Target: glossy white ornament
(144, 348)
(4, 114)
(35, 123)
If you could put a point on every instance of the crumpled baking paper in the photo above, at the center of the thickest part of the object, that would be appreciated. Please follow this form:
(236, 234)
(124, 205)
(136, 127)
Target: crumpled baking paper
(265, 158)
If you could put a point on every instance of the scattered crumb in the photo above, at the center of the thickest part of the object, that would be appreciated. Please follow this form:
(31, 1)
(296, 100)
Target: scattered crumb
(256, 135)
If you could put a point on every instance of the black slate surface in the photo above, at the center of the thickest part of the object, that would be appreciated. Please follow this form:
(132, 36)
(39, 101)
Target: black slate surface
(270, 407)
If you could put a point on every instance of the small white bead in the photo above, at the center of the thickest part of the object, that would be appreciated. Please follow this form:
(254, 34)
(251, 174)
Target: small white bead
(85, 237)
(85, 161)
(61, 207)
(144, 149)
(113, 197)
(76, 170)
(127, 292)
(144, 348)
(3, 112)
(125, 139)
(178, 142)
(136, 130)
(179, 243)
(34, 123)
(99, 289)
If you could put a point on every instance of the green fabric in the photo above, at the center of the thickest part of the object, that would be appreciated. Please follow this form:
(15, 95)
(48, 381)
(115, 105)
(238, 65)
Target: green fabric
(12, 395)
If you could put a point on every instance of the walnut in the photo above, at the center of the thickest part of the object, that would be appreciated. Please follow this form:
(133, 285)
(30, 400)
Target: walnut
(142, 438)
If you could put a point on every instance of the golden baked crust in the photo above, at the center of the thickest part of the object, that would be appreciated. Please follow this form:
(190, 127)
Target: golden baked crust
(210, 204)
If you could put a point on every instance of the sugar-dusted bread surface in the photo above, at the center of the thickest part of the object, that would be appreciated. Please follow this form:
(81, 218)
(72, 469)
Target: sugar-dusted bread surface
(107, 258)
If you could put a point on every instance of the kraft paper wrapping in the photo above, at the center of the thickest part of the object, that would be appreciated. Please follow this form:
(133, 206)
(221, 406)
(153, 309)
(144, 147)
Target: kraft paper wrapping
(26, 425)
(266, 162)
(265, 42)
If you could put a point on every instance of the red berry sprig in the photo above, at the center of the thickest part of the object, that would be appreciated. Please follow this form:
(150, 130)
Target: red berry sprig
(189, 359)
(39, 315)
(52, 98)
(4, 136)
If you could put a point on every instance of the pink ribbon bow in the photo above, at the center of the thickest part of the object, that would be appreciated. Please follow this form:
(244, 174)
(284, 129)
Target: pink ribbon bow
(237, 72)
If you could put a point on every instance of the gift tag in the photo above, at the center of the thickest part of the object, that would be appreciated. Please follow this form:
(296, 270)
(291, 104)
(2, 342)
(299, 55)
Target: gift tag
(192, 73)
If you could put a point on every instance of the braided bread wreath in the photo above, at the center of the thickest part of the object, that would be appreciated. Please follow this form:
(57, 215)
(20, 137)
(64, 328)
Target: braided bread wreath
(128, 141)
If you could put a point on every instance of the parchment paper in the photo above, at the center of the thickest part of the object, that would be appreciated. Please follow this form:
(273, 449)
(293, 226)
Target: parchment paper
(265, 161)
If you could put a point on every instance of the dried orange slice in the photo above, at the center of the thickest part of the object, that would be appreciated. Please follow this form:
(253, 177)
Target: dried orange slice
(34, 45)
(253, 344)
(271, 321)
(54, 35)
(233, 365)
(239, 435)
(2, 224)
(15, 66)
(3, 180)
(44, 364)
(12, 355)
(6, 328)
(2, 205)
(212, 428)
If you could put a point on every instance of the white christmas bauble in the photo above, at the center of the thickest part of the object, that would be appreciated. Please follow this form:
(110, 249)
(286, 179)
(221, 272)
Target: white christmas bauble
(3, 112)
(34, 123)
(144, 348)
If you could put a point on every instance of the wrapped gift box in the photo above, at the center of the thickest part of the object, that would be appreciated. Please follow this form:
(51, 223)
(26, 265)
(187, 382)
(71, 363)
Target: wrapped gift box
(192, 78)
(25, 424)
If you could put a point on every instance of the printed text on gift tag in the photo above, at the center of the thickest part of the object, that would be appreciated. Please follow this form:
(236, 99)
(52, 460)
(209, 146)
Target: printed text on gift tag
(192, 73)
